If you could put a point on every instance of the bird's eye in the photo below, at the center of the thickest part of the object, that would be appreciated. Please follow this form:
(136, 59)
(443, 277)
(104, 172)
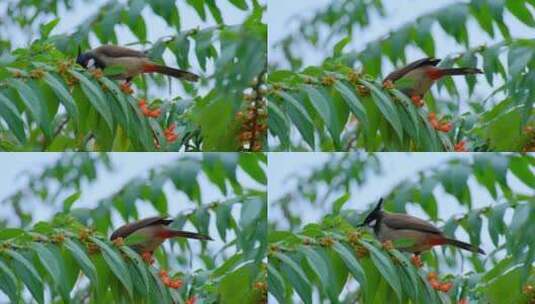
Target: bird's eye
(91, 63)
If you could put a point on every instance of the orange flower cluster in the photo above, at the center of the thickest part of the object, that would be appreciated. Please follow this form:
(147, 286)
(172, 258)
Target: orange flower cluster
(126, 88)
(528, 289)
(170, 134)
(440, 125)
(361, 251)
(460, 147)
(37, 73)
(148, 112)
(389, 85)
(416, 261)
(417, 101)
(97, 73)
(253, 118)
(175, 284)
(147, 257)
(388, 245)
(436, 284)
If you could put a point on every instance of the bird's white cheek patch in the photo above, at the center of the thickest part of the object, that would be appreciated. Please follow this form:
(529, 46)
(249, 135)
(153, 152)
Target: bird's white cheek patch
(91, 63)
(372, 223)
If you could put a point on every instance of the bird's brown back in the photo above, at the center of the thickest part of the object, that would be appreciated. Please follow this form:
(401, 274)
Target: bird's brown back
(125, 230)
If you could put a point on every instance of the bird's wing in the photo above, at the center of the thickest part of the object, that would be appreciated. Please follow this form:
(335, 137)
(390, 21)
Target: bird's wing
(407, 222)
(128, 229)
(397, 74)
(118, 51)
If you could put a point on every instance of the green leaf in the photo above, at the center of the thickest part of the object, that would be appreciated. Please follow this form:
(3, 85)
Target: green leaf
(28, 274)
(223, 217)
(116, 263)
(53, 265)
(339, 202)
(64, 96)
(320, 267)
(140, 266)
(386, 107)
(71, 199)
(521, 168)
(518, 58)
(9, 233)
(353, 102)
(276, 284)
(340, 45)
(10, 113)
(496, 224)
(8, 283)
(352, 264)
(250, 164)
(300, 118)
(320, 104)
(48, 27)
(33, 105)
(250, 211)
(241, 4)
(519, 9)
(278, 124)
(296, 277)
(386, 268)
(234, 287)
(82, 259)
(96, 98)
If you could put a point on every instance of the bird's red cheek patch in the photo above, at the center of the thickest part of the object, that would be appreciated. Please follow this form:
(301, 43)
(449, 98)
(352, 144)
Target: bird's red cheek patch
(434, 73)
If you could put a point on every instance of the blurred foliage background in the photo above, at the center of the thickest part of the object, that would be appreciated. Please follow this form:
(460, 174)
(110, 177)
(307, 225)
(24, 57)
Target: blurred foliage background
(47, 103)
(66, 257)
(317, 255)
(339, 102)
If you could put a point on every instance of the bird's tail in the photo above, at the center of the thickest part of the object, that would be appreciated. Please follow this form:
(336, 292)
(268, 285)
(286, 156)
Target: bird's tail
(162, 69)
(464, 246)
(186, 234)
(460, 71)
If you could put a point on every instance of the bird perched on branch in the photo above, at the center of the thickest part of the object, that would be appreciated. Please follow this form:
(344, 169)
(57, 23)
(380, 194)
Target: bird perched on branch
(416, 78)
(417, 234)
(133, 62)
(146, 235)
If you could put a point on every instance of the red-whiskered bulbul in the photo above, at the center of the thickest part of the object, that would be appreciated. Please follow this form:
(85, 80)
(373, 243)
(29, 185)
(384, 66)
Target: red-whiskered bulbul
(419, 234)
(415, 79)
(146, 235)
(134, 62)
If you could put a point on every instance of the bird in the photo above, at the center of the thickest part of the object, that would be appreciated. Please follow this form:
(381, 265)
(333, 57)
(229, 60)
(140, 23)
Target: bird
(146, 235)
(134, 63)
(418, 234)
(415, 79)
